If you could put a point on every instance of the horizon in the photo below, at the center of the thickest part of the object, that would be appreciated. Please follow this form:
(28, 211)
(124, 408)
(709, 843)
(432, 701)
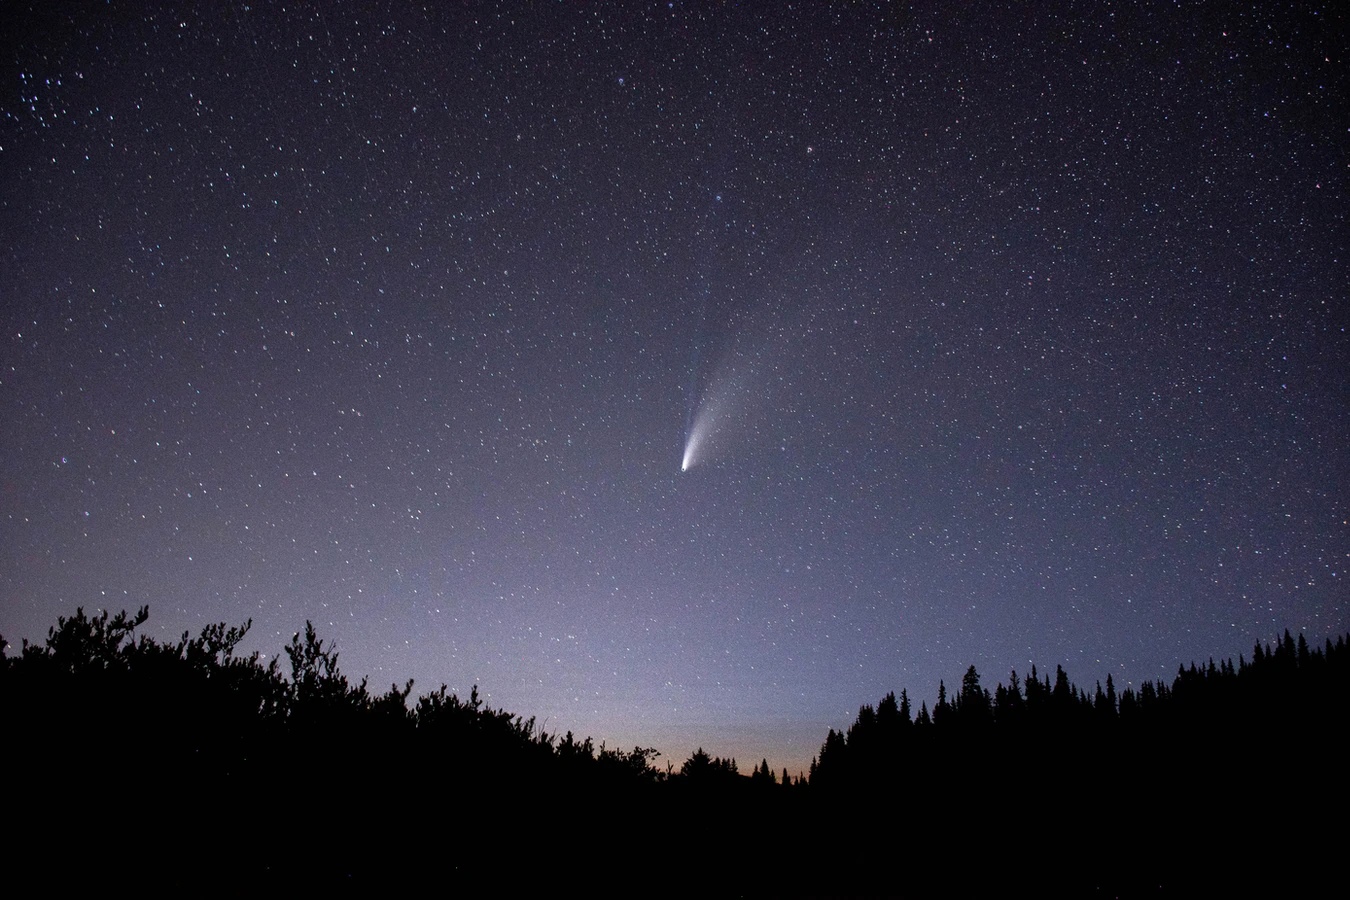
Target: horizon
(751, 735)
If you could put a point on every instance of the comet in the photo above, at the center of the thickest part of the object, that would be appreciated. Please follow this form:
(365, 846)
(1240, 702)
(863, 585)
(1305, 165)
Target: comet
(692, 444)
(731, 404)
(709, 420)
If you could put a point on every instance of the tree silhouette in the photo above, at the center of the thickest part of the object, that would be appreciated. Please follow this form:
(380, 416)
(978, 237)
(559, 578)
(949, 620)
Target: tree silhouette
(196, 719)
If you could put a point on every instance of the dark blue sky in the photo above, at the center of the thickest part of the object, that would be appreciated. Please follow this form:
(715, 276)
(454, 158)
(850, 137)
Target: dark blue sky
(1006, 335)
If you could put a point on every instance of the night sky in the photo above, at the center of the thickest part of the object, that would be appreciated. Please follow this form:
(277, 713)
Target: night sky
(681, 374)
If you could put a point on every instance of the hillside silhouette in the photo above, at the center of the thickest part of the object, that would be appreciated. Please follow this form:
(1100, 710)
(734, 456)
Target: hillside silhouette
(187, 766)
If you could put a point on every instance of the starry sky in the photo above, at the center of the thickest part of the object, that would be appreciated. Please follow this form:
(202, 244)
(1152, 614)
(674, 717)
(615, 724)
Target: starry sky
(682, 374)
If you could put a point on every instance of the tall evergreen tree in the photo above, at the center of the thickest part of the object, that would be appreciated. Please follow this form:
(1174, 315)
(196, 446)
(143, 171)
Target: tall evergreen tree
(942, 711)
(974, 706)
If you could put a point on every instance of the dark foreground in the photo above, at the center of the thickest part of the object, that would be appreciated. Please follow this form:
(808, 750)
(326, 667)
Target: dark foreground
(184, 769)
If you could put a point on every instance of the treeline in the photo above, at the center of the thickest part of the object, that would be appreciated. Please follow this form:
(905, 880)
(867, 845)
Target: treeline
(1286, 691)
(197, 702)
(1229, 780)
(183, 758)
